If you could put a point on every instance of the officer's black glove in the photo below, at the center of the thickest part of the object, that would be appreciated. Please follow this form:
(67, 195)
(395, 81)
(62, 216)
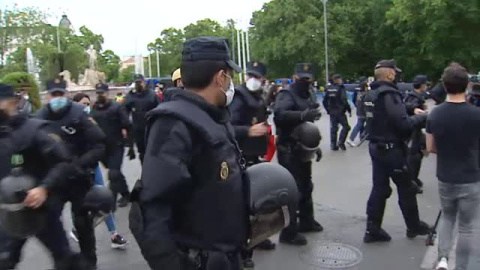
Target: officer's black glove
(319, 155)
(310, 115)
(131, 153)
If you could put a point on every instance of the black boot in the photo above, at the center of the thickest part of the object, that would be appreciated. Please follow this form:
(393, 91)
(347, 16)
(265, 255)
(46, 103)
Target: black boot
(295, 240)
(375, 233)
(123, 202)
(266, 245)
(313, 226)
(421, 229)
(334, 147)
(248, 264)
(342, 147)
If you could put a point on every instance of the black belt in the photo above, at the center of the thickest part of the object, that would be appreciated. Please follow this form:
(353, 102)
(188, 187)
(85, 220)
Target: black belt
(388, 145)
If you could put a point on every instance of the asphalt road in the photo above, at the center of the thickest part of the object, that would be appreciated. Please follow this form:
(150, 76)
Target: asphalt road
(342, 185)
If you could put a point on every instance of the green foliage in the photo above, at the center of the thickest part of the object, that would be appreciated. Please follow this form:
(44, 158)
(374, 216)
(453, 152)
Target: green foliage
(126, 75)
(24, 81)
(109, 63)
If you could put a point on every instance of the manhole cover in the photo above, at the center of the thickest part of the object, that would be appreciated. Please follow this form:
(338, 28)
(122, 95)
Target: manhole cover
(332, 255)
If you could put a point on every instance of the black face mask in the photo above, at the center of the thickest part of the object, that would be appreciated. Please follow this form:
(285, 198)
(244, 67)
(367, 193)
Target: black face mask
(139, 86)
(303, 85)
(4, 118)
(101, 99)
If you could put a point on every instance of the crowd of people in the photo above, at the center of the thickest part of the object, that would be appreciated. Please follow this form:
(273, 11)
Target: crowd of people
(199, 203)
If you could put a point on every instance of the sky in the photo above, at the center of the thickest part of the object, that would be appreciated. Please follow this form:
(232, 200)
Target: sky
(129, 25)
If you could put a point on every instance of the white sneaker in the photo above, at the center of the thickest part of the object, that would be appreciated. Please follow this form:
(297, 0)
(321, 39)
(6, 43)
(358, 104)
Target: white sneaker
(351, 143)
(442, 264)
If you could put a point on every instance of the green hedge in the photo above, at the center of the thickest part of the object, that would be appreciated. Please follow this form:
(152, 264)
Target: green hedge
(25, 81)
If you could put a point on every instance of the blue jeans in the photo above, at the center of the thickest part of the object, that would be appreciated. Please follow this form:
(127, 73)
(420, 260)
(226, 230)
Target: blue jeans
(109, 220)
(358, 129)
(460, 203)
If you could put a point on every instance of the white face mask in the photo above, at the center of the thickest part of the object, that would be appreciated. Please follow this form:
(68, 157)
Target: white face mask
(254, 84)
(230, 93)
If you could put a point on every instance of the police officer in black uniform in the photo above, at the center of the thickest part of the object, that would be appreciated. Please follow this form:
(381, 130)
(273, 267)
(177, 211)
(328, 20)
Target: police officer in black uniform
(85, 143)
(336, 104)
(138, 102)
(27, 146)
(389, 127)
(112, 118)
(294, 106)
(416, 100)
(192, 209)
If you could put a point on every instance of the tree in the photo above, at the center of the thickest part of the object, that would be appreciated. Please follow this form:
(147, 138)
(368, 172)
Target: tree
(25, 81)
(126, 75)
(109, 63)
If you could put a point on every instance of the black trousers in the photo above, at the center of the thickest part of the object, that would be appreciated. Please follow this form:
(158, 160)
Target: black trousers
(391, 164)
(335, 120)
(302, 172)
(113, 162)
(415, 157)
(53, 237)
(139, 137)
(83, 223)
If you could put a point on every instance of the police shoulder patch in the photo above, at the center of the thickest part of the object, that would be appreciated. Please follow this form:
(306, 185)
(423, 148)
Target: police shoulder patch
(224, 171)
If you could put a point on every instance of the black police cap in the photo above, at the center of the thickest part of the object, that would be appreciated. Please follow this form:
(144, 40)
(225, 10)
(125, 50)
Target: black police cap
(388, 64)
(208, 48)
(6, 91)
(53, 86)
(138, 77)
(304, 70)
(101, 87)
(256, 68)
(420, 79)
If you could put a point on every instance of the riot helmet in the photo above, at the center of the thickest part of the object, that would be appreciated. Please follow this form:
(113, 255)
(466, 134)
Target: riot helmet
(16, 219)
(99, 200)
(307, 137)
(273, 198)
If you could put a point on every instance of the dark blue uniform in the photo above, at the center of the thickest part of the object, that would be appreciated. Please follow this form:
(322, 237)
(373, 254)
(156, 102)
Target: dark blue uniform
(389, 127)
(44, 158)
(247, 109)
(112, 118)
(85, 143)
(193, 199)
(414, 101)
(336, 104)
(289, 106)
(138, 103)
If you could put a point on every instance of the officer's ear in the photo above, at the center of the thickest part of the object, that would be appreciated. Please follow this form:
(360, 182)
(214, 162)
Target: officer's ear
(295, 78)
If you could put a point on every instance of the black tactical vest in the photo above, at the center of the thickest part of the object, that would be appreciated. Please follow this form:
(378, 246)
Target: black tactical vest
(108, 119)
(69, 128)
(141, 103)
(334, 99)
(214, 215)
(377, 124)
(17, 150)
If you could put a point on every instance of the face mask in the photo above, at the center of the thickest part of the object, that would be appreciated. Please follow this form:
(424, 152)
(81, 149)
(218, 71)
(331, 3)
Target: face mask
(87, 110)
(58, 103)
(254, 84)
(101, 99)
(303, 85)
(138, 87)
(230, 92)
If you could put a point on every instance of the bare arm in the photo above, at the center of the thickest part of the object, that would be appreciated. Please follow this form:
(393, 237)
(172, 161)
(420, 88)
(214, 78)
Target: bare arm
(431, 147)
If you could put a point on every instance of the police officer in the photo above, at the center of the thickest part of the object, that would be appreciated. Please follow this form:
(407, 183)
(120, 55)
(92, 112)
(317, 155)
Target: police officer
(85, 143)
(113, 120)
(416, 99)
(294, 106)
(192, 209)
(249, 114)
(26, 145)
(177, 85)
(389, 127)
(138, 102)
(336, 104)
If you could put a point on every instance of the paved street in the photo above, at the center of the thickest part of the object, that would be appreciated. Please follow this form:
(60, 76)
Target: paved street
(342, 185)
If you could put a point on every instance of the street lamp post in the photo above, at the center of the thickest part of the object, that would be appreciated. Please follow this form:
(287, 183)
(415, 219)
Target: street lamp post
(64, 23)
(326, 39)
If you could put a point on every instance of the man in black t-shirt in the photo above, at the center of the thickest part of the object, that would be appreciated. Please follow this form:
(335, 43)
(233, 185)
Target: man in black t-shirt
(453, 132)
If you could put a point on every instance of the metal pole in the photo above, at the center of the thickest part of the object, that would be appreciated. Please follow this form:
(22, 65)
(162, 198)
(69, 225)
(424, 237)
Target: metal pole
(326, 39)
(243, 54)
(158, 64)
(58, 39)
(248, 46)
(239, 53)
(149, 65)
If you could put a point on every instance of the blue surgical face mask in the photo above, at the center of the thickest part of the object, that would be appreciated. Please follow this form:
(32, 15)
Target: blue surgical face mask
(58, 103)
(87, 109)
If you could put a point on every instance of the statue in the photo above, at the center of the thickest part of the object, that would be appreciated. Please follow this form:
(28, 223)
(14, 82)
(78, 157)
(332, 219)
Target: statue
(67, 77)
(92, 57)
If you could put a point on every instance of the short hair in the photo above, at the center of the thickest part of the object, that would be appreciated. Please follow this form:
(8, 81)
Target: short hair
(80, 96)
(199, 74)
(417, 85)
(455, 79)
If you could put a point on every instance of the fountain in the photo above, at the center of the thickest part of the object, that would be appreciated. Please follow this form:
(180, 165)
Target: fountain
(32, 66)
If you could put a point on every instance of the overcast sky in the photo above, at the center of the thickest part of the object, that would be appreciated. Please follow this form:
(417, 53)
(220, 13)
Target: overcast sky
(129, 25)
